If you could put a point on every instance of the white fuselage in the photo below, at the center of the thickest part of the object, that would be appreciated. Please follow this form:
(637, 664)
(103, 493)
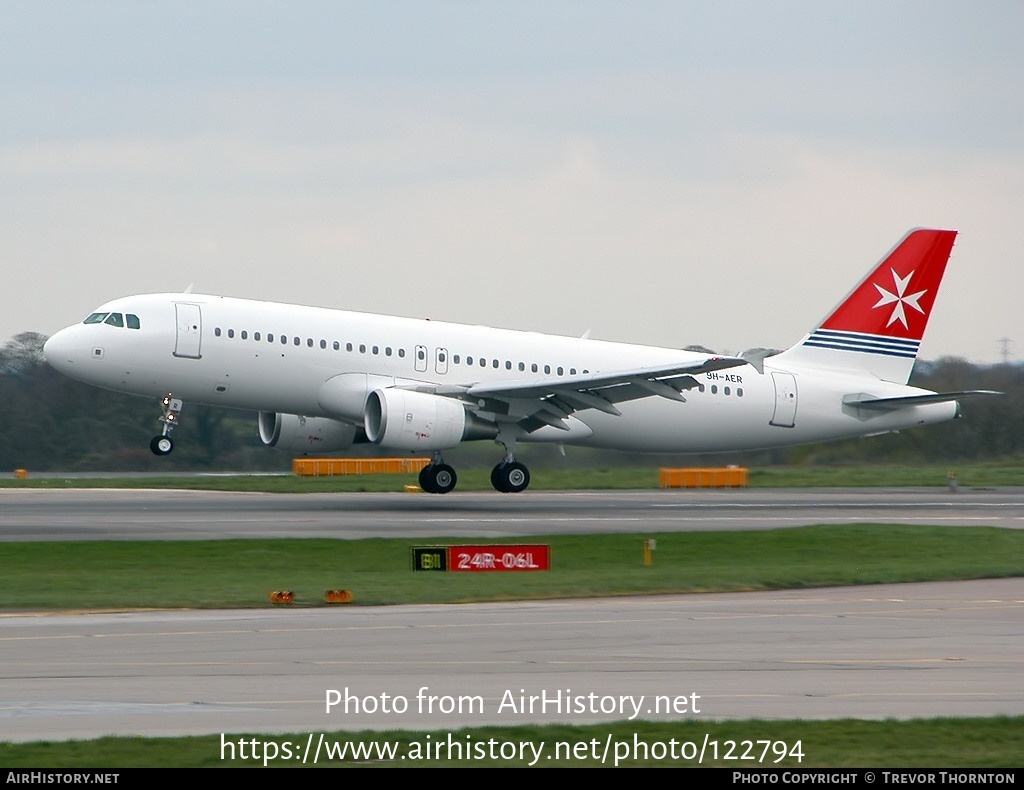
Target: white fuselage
(276, 357)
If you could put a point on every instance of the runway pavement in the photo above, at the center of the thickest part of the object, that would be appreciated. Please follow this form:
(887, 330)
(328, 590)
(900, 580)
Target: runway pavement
(938, 649)
(86, 514)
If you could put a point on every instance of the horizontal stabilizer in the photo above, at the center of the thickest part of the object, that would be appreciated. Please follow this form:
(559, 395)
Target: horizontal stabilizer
(891, 404)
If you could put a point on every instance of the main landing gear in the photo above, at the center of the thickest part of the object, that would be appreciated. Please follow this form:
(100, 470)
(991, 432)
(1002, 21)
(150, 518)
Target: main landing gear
(508, 477)
(437, 477)
(163, 444)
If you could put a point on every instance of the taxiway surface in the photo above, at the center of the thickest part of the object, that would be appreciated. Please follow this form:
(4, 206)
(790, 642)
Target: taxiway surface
(936, 649)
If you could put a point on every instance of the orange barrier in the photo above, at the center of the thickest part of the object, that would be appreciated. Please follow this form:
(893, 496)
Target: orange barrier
(728, 477)
(321, 467)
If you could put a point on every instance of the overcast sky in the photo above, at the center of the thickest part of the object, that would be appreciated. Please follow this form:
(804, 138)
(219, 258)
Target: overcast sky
(657, 172)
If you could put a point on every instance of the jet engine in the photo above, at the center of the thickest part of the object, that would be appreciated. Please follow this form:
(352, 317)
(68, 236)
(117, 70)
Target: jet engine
(407, 420)
(294, 433)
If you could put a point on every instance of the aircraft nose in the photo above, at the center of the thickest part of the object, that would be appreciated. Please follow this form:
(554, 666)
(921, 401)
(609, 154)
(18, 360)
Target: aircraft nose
(58, 350)
(50, 348)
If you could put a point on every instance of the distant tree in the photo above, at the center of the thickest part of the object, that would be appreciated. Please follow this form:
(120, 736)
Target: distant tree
(22, 353)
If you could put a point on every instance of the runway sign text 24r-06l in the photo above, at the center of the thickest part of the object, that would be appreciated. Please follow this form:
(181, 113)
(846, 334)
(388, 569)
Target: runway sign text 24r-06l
(498, 557)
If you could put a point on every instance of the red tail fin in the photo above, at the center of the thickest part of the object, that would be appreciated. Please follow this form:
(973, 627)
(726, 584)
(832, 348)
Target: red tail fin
(878, 327)
(896, 299)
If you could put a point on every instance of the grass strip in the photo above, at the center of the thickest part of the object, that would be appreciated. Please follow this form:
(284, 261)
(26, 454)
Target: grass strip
(241, 573)
(928, 743)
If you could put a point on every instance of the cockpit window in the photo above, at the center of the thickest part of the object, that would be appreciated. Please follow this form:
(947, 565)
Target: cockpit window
(115, 319)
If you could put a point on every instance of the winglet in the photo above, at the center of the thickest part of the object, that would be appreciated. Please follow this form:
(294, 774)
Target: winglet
(878, 327)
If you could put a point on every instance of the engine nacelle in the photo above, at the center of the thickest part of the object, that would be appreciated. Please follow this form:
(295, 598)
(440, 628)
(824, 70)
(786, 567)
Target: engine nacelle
(294, 433)
(407, 420)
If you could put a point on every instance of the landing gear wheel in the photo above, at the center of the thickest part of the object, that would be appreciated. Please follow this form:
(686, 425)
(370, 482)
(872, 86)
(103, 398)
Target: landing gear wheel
(498, 479)
(161, 445)
(444, 478)
(438, 478)
(510, 478)
(517, 477)
(427, 479)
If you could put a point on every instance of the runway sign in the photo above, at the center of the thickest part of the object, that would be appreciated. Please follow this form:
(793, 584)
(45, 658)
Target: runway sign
(475, 558)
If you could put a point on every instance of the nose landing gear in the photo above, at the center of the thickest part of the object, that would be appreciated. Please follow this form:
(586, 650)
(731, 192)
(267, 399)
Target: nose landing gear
(163, 444)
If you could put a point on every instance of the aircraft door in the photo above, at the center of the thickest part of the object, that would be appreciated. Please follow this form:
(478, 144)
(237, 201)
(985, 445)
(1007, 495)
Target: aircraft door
(785, 400)
(189, 326)
(441, 360)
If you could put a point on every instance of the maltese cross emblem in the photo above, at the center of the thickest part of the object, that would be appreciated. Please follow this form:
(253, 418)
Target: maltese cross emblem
(899, 299)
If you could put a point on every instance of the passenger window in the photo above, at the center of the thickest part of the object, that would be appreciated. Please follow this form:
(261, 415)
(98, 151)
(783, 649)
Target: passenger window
(401, 353)
(309, 342)
(245, 335)
(115, 319)
(216, 332)
(336, 346)
(133, 321)
(231, 333)
(533, 367)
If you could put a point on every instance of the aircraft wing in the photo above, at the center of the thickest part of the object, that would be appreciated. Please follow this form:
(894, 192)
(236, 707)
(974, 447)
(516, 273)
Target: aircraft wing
(548, 401)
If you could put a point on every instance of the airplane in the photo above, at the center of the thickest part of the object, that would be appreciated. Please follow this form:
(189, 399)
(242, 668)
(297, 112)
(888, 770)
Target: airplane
(322, 380)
